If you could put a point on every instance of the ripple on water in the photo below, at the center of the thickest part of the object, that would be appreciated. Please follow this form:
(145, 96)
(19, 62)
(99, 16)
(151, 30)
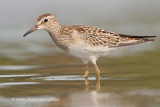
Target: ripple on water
(17, 83)
(20, 67)
(74, 77)
(6, 76)
(64, 77)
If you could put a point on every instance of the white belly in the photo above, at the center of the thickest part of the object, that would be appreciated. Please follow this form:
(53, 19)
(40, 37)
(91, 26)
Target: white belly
(87, 52)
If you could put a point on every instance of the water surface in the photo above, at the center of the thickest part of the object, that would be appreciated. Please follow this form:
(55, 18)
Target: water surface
(124, 81)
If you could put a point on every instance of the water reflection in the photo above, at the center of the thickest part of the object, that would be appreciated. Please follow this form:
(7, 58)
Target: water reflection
(98, 85)
(73, 78)
(78, 78)
(111, 99)
(66, 78)
(134, 98)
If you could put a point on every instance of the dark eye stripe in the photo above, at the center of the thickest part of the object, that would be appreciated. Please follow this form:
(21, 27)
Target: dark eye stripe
(45, 20)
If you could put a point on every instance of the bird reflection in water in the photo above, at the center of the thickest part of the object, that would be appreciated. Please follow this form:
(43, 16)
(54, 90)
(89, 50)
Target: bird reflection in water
(98, 85)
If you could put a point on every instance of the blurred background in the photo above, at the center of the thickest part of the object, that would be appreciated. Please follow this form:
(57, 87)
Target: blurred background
(122, 16)
(30, 63)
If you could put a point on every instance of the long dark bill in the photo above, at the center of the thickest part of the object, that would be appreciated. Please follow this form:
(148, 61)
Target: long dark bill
(30, 31)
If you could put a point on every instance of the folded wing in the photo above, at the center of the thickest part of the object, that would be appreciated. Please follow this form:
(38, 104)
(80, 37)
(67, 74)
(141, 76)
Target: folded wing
(99, 37)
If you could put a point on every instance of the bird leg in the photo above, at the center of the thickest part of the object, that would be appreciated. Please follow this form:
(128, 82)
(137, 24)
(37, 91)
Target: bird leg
(97, 70)
(97, 78)
(86, 72)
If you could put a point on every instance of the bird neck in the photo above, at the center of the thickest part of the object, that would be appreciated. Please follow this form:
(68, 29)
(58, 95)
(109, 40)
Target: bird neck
(54, 30)
(55, 34)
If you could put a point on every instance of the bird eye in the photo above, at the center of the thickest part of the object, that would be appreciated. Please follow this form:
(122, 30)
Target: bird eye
(45, 20)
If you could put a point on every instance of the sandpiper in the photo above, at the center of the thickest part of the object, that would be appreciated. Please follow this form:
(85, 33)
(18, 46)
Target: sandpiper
(85, 42)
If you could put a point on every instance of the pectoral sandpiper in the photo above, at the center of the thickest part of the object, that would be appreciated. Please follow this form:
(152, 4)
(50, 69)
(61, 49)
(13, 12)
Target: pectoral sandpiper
(85, 42)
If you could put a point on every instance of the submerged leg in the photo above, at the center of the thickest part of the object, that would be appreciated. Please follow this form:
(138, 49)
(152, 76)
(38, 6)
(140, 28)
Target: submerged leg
(97, 70)
(86, 71)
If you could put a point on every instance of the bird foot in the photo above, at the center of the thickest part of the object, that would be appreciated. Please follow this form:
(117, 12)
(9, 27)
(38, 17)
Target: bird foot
(86, 74)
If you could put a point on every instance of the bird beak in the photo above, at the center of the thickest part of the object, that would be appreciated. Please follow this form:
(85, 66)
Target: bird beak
(30, 31)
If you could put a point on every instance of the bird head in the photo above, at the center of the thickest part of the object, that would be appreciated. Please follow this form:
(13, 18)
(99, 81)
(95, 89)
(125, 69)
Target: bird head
(44, 22)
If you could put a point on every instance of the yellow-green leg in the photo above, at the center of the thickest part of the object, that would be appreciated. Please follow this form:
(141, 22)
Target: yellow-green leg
(97, 70)
(97, 78)
(86, 72)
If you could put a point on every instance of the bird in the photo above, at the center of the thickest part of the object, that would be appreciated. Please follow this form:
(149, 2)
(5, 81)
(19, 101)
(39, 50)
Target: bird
(85, 42)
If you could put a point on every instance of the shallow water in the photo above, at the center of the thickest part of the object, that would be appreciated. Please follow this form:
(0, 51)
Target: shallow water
(125, 81)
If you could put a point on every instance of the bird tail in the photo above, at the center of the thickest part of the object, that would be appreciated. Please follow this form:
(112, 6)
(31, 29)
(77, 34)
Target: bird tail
(145, 38)
(131, 39)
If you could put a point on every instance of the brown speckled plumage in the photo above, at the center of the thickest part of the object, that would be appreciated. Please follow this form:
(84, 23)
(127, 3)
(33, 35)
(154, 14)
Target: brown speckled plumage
(85, 42)
(99, 37)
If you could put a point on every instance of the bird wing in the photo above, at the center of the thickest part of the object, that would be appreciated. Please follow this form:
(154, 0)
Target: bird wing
(100, 37)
